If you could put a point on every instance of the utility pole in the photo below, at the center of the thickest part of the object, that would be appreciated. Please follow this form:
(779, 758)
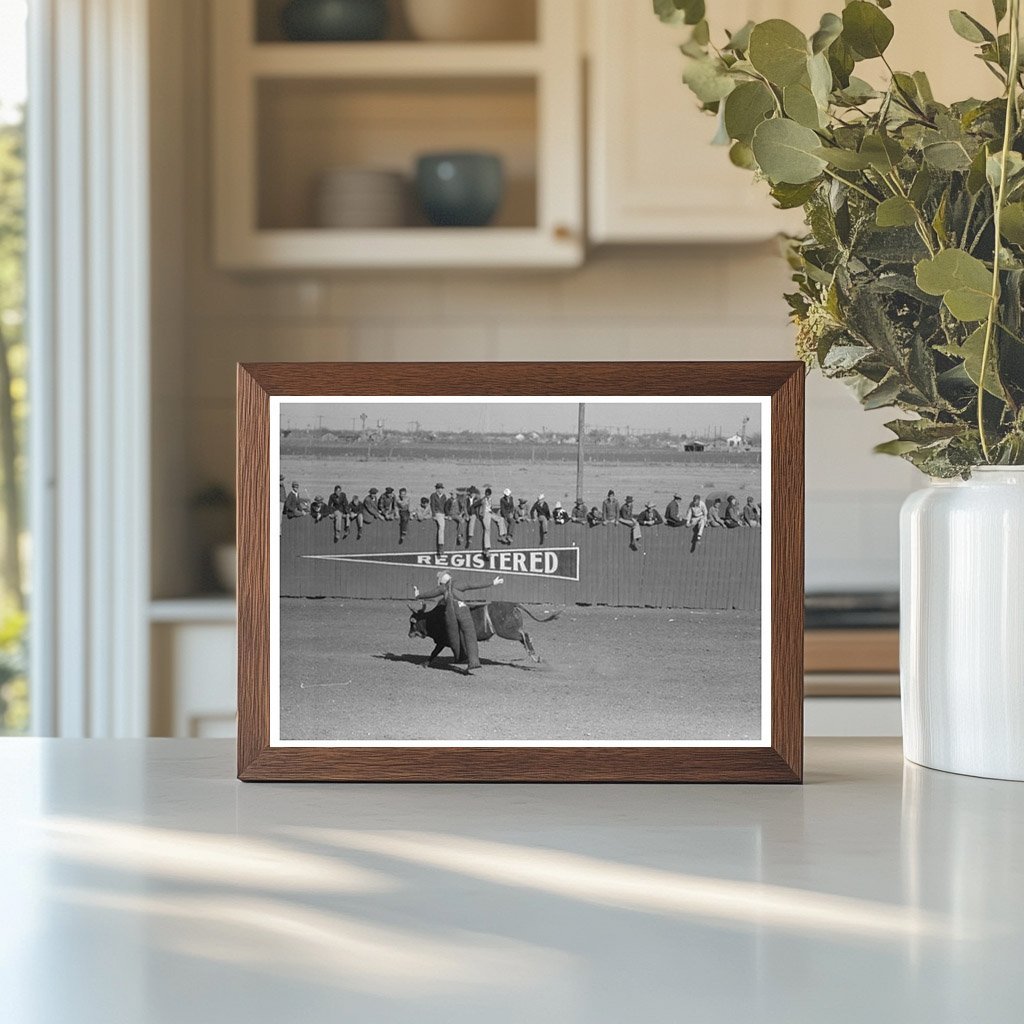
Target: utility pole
(581, 431)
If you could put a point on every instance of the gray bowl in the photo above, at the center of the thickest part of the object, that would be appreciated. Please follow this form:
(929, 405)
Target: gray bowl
(461, 190)
(334, 20)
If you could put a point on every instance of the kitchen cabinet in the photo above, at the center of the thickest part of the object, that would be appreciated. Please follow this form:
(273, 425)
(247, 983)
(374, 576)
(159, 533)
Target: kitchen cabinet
(653, 175)
(287, 113)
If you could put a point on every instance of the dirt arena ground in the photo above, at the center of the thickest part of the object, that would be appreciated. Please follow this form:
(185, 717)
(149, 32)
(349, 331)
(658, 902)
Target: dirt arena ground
(351, 672)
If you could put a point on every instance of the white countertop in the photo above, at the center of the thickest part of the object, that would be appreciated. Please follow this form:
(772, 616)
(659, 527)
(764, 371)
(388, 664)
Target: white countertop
(143, 885)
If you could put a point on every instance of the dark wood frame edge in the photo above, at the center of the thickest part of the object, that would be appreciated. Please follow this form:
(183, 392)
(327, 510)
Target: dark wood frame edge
(258, 761)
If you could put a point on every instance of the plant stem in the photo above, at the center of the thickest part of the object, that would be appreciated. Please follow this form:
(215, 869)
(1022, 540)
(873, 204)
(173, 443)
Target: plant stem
(993, 308)
(856, 188)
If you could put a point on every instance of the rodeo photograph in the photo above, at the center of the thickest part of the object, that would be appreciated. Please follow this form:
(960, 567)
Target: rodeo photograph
(516, 571)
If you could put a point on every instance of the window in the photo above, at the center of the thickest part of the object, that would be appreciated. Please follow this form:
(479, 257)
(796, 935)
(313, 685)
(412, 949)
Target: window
(14, 548)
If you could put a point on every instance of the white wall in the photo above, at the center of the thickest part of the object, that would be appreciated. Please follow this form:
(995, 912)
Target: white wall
(654, 303)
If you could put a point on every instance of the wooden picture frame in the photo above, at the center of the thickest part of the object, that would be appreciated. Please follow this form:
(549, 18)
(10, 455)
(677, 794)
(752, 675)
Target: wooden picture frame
(778, 759)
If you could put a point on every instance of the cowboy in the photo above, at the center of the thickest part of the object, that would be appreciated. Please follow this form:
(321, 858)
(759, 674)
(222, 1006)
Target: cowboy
(626, 518)
(697, 516)
(293, 504)
(438, 503)
(458, 617)
(507, 510)
(751, 514)
(386, 504)
(579, 511)
(371, 508)
(674, 514)
(650, 516)
(541, 512)
(402, 507)
(559, 515)
(610, 509)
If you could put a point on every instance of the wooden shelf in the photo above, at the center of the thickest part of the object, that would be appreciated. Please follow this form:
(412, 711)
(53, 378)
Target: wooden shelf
(400, 247)
(393, 60)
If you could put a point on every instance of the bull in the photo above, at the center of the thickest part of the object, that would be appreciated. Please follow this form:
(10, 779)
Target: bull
(491, 618)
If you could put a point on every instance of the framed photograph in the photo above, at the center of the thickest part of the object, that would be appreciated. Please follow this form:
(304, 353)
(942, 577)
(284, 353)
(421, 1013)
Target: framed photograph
(548, 572)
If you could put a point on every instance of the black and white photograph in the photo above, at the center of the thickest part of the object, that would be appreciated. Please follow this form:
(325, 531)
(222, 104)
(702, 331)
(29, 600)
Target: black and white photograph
(520, 571)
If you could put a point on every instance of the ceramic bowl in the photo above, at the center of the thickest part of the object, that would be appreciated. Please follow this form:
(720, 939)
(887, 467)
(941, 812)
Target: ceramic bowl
(334, 20)
(471, 20)
(460, 189)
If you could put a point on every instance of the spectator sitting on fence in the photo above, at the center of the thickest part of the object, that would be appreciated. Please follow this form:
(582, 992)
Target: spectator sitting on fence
(540, 512)
(732, 513)
(674, 514)
(650, 516)
(697, 516)
(294, 506)
(507, 511)
(423, 512)
(522, 511)
(318, 508)
(594, 517)
(356, 508)
(386, 504)
(402, 508)
(751, 514)
(487, 516)
(462, 514)
(370, 507)
(438, 505)
(579, 511)
(337, 511)
(610, 509)
(559, 515)
(715, 513)
(627, 518)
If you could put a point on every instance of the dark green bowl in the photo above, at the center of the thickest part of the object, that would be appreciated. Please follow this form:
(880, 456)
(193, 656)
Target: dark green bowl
(461, 190)
(333, 21)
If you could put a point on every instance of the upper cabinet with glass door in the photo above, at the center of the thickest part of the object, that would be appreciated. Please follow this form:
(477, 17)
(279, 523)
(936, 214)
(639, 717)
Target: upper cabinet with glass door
(418, 133)
(653, 174)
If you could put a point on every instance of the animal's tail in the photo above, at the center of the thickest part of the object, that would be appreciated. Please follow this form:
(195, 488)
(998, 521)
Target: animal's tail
(541, 618)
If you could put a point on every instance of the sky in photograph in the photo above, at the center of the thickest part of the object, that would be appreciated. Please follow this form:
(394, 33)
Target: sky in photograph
(513, 417)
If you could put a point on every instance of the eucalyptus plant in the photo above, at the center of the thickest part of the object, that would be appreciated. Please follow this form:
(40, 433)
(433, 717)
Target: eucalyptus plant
(910, 278)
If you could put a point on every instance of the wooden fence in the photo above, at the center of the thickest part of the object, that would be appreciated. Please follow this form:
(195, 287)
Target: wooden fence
(668, 570)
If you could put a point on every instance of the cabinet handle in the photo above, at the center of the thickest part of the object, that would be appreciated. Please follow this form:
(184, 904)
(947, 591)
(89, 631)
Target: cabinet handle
(563, 232)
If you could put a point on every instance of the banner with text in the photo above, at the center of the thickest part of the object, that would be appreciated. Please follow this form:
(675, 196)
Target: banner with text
(547, 563)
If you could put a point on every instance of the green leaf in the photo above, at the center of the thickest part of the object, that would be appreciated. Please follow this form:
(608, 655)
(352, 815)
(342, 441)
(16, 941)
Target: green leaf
(829, 30)
(947, 156)
(969, 28)
(963, 281)
(895, 212)
(976, 173)
(841, 60)
(882, 153)
(999, 7)
(923, 431)
(701, 33)
(844, 159)
(1012, 223)
(745, 108)
(785, 152)
(676, 12)
(1014, 169)
(971, 352)
(820, 76)
(921, 185)
(858, 91)
(800, 105)
(739, 41)
(789, 197)
(708, 80)
(741, 155)
(895, 447)
(866, 29)
(885, 394)
(924, 87)
(778, 50)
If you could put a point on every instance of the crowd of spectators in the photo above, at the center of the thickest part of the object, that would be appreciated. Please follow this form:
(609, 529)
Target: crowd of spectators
(468, 509)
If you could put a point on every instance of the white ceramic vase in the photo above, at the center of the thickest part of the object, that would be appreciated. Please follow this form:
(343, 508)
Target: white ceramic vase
(962, 624)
